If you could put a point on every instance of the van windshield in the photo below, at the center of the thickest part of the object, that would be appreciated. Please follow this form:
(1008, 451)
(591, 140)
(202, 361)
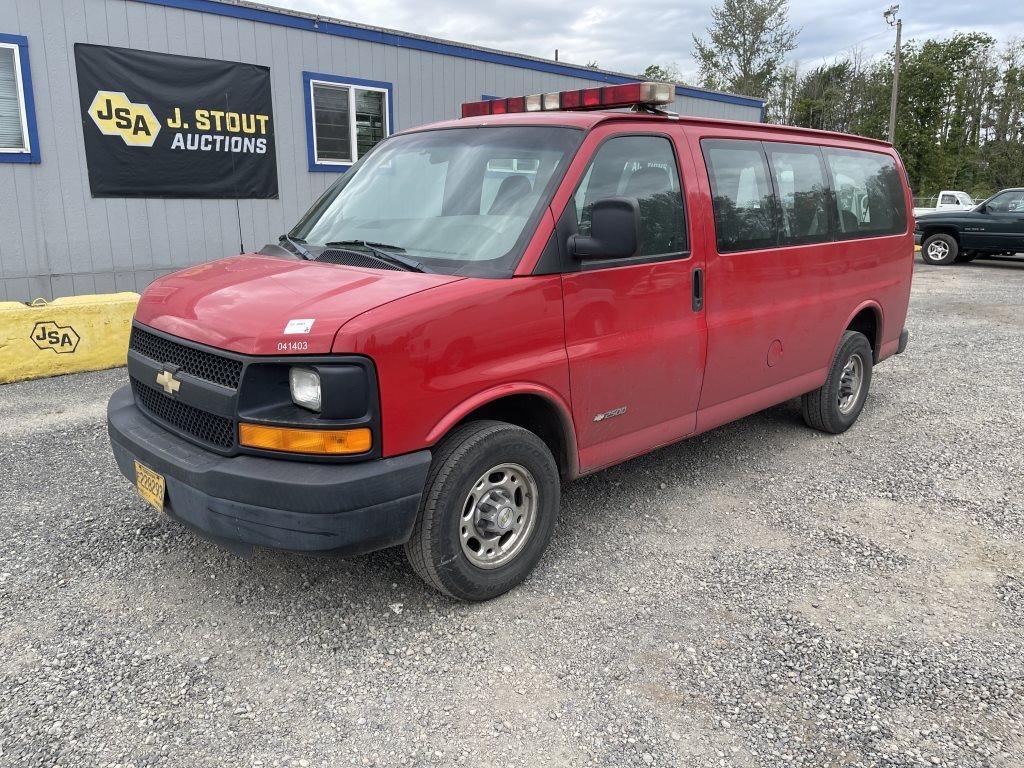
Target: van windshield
(459, 201)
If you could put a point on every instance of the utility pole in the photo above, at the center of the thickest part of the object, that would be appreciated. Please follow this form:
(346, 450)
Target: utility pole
(893, 20)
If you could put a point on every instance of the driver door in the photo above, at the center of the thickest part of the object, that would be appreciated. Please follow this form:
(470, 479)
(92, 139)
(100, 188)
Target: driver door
(635, 335)
(1002, 222)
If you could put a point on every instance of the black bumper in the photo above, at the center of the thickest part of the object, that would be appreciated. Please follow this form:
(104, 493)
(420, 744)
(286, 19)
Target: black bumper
(917, 237)
(276, 503)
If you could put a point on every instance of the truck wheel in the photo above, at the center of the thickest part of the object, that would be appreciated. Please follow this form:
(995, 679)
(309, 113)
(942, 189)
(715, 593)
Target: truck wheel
(939, 249)
(488, 511)
(837, 404)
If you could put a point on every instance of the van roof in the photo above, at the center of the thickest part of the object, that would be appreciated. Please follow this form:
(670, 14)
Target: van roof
(588, 119)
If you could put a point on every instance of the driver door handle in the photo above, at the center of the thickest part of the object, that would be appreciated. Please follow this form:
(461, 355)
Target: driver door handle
(698, 290)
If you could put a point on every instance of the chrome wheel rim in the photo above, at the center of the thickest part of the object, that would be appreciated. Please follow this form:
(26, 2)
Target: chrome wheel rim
(498, 515)
(937, 250)
(851, 381)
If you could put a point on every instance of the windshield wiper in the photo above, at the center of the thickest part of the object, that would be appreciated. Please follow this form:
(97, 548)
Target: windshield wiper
(297, 244)
(390, 255)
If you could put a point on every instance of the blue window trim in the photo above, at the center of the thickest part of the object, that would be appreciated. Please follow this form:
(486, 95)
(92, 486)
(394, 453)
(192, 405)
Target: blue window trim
(32, 156)
(398, 40)
(309, 77)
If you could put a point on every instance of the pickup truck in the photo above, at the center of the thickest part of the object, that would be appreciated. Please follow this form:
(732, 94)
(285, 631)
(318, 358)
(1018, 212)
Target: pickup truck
(995, 226)
(947, 200)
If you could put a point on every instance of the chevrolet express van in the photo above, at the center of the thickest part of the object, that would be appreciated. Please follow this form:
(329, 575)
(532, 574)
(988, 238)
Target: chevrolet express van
(485, 308)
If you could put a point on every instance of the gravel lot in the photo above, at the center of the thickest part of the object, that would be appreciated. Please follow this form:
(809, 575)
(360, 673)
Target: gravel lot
(758, 596)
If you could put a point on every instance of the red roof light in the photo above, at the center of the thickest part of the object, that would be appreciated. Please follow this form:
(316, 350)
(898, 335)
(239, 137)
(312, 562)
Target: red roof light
(603, 97)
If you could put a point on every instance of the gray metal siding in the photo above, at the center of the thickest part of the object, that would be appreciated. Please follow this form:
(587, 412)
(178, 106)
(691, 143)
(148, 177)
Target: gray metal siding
(57, 240)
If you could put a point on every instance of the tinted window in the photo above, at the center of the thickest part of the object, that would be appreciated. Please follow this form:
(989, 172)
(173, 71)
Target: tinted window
(802, 192)
(868, 193)
(643, 167)
(741, 194)
(1007, 202)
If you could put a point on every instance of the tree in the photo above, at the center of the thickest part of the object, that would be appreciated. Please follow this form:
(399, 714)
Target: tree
(661, 74)
(746, 46)
(960, 117)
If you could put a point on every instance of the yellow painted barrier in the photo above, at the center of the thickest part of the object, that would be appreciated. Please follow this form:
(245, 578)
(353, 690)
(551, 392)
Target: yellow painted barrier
(67, 335)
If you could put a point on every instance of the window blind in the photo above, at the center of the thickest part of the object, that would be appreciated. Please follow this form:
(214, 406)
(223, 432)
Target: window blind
(12, 135)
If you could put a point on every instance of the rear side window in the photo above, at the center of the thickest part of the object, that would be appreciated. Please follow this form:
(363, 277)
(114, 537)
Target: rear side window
(802, 187)
(741, 194)
(643, 167)
(868, 193)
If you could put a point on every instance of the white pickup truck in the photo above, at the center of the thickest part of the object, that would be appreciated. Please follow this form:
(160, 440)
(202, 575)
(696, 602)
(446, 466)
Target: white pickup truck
(948, 200)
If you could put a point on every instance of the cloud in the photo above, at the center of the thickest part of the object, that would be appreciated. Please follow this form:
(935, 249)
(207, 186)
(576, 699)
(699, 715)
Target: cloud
(628, 37)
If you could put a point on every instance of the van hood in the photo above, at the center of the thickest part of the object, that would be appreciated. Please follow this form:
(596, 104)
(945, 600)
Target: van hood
(260, 305)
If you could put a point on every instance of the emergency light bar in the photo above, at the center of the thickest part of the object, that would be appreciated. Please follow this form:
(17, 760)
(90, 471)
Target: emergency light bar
(602, 97)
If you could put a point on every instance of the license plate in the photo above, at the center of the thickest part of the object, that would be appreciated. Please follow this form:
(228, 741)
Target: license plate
(150, 485)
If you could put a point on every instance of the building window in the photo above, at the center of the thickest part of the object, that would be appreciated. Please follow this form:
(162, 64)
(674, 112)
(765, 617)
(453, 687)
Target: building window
(345, 118)
(18, 140)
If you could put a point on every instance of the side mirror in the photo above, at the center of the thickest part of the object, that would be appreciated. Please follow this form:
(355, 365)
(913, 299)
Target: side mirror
(985, 209)
(614, 231)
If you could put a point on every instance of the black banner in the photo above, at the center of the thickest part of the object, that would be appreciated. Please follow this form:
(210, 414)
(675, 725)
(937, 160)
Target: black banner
(158, 125)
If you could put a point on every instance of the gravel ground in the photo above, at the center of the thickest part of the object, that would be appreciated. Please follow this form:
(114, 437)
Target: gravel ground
(762, 595)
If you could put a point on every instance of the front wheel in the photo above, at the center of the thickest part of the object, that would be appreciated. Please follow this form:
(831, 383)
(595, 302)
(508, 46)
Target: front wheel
(939, 249)
(488, 511)
(837, 404)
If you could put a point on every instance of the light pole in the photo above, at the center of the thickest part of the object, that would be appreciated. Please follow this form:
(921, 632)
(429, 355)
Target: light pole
(892, 18)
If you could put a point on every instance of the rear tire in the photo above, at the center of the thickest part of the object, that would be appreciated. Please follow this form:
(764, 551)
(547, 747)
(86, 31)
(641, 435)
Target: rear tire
(836, 405)
(939, 249)
(488, 511)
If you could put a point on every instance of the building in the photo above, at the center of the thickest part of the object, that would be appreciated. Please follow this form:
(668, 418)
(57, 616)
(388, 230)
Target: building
(332, 89)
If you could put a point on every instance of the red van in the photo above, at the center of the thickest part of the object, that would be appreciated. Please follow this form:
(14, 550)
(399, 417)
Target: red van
(484, 308)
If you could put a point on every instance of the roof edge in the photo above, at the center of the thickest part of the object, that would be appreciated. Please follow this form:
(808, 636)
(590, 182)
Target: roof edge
(242, 9)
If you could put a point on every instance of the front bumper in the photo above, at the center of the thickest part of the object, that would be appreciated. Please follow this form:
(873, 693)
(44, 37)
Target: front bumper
(276, 503)
(917, 237)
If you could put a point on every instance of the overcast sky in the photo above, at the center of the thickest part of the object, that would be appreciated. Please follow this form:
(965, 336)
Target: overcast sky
(627, 37)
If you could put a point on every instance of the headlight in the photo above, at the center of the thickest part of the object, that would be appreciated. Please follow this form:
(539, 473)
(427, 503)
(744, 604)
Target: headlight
(305, 387)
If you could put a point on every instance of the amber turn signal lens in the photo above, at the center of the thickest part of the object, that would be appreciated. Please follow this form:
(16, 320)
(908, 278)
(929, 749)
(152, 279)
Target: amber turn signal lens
(326, 442)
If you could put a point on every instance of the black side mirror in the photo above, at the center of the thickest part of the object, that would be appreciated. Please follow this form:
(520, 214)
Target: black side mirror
(614, 230)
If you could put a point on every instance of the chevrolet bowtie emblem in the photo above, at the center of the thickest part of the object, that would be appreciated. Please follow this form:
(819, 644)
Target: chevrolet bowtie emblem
(166, 380)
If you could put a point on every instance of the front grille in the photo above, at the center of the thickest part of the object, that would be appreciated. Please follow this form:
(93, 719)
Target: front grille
(205, 427)
(354, 259)
(202, 365)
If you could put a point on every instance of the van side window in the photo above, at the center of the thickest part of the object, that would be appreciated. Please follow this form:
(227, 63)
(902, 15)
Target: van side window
(868, 193)
(643, 167)
(802, 188)
(741, 194)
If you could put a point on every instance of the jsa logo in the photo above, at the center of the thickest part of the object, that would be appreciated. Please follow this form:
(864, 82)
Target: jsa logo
(115, 115)
(62, 339)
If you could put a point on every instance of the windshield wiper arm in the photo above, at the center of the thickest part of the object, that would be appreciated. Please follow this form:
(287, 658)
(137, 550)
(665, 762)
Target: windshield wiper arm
(297, 244)
(391, 255)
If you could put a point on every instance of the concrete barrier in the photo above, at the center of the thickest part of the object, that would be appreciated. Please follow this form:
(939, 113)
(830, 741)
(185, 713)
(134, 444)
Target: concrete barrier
(67, 335)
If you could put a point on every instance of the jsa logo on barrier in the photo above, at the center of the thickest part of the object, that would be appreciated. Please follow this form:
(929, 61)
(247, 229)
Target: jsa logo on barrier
(115, 115)
(62, 339)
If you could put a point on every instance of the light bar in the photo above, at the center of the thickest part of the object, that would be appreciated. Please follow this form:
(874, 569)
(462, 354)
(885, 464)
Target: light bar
(602, 97)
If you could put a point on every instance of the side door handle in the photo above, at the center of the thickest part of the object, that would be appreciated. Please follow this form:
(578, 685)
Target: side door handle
(698, 290)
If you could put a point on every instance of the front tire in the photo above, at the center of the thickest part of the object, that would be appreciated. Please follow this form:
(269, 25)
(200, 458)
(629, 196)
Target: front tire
(939, 249)
(836, 405)
(488, 511)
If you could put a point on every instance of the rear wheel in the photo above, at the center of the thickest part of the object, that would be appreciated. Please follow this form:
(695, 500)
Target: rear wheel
(939, 249)
(488, 511)
(837, 404)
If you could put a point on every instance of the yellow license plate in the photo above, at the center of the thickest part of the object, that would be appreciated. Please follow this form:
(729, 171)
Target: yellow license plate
(150, 485)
